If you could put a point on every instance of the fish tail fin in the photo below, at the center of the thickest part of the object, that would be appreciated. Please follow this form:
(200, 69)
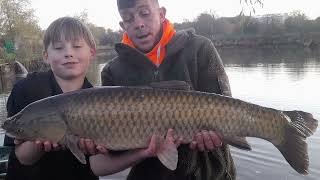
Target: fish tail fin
(294, 148)
(303, 122)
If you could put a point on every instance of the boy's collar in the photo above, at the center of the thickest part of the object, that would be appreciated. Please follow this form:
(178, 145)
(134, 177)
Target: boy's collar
(57, 89)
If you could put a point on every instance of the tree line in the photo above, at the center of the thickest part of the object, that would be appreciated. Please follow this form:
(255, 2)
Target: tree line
(21, 36)
(273, 24)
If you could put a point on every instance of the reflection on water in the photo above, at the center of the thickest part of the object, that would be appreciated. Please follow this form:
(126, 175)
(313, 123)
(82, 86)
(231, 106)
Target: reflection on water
(248, 57)
(285, 79)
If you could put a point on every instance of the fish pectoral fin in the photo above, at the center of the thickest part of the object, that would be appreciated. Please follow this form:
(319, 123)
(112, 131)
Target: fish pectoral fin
(72, 144)
(239, 142)
(168, 155)
(173, 84)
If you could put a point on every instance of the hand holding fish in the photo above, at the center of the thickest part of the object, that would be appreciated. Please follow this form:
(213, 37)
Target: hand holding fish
(157, 144)
(206, 141)
(88, 146)
(46, 146)
(28, 152)
(108, 163)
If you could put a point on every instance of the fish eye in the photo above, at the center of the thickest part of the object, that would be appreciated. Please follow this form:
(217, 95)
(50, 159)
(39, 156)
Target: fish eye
(19, 130)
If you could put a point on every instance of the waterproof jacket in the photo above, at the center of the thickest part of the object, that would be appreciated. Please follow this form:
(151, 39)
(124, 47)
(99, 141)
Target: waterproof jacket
(55, 165)
(195, 60)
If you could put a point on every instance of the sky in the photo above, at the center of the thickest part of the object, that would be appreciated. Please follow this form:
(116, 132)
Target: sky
(104, 12)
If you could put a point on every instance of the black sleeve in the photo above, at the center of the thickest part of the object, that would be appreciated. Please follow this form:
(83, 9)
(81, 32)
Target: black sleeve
(106, 76)
(14, 105)
(212, 76)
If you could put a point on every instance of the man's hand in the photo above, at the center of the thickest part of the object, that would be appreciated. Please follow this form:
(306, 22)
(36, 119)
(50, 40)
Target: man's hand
(206, 141)
(156, 143)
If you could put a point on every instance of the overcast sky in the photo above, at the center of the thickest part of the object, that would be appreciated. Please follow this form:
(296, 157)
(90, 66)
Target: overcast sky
(104, 12)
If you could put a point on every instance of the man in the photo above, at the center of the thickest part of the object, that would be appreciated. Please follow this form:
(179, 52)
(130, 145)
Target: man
(152, 51)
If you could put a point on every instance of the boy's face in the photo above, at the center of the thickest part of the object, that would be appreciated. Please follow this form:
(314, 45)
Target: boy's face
(69, 59)
(143, 23)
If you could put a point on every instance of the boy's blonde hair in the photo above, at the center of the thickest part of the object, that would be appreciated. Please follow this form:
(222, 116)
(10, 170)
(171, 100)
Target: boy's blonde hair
(69, 29)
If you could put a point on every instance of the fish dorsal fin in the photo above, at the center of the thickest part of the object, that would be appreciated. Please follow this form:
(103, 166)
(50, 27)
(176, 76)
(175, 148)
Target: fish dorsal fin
(71, 142)
(173, 84)
(239, 142)
(168, 154)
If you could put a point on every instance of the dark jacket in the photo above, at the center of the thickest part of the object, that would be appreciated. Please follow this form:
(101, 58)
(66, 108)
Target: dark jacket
(57, 165)
(189, 58)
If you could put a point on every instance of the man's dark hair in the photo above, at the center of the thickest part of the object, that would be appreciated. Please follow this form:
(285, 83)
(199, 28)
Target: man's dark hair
(122, 4)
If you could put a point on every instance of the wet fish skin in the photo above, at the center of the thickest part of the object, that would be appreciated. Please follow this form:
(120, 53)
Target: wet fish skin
(126, 117)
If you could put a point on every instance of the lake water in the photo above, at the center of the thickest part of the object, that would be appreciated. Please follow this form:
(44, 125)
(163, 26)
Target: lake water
(286, 79)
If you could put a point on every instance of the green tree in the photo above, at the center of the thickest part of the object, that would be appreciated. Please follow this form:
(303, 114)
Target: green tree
(317, 24)
(19, 25)
(204, 24)
(223, 26)
(296, 22)
(97, 32)
(111, 37)
(186, 24)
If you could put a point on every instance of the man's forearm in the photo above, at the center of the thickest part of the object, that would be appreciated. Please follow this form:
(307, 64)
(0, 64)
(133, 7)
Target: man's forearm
(106, 164)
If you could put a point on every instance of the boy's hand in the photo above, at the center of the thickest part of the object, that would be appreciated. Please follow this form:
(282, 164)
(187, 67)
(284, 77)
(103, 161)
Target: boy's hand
(46, 146)
(29, 152)
(89, 147)
(206, 141)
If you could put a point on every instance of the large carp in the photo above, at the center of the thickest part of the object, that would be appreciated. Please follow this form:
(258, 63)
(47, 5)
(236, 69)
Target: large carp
(126, 117)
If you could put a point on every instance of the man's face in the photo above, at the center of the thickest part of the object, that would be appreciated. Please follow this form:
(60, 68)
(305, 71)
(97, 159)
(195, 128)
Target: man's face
(143, 23)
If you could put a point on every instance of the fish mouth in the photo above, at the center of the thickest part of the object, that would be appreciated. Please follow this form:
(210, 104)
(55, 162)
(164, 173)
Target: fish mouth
(5, 129)
(11, 135)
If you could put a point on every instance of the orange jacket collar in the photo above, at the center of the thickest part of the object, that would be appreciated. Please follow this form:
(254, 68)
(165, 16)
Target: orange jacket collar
(157, 54)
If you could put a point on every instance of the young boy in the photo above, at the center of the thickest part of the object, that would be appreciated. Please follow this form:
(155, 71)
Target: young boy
(152, 51)
(68, 48)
